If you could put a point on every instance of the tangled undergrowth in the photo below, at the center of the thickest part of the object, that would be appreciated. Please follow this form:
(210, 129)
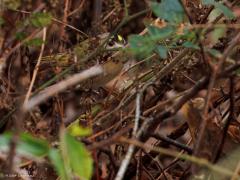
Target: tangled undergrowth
(124, 89)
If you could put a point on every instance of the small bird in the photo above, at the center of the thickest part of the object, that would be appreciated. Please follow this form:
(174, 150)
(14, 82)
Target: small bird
(112, 64)
(111, 68)
(191, 112)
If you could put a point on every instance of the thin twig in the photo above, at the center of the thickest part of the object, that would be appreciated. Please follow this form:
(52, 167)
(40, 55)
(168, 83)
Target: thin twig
(77, 9)
(63, 85)
(37, 66)
(96, 22)
(229, 120)
(151, 125)
(5, 55)
(98, 49)
(213, 78)
(174, 161)
(65, 14)
(111, 139)
(125, 8)
(70, 26)
(139, 166)
(125, 100)
(199, 161)
(58, 21)
(126, 160)
(163, 72)
(217, 69)
(172, 142)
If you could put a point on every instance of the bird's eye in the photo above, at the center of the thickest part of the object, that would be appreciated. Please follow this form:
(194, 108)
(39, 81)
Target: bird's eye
(111, 42)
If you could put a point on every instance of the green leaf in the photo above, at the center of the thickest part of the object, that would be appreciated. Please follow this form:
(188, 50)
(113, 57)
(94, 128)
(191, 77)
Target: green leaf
(214, 14)
(162, 51)
(225, 10)
(41, 19)
(169, 10)
(220, 6)
(141, 46)
(136, 41)
(189, 44)
(29, 145)
(216, 34)
(76, 130)
(214, 52)
(58, 163)
(157, 34)
(78, 157)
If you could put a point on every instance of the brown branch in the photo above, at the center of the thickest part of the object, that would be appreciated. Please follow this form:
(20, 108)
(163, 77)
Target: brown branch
(65, 15)
(63, 85)
(193, 159)
(110, 140)
(171, 142)
(229, 120)
(37, 66)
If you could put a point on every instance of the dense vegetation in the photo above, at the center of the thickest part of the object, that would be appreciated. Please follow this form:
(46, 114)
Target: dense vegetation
(124, 89)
